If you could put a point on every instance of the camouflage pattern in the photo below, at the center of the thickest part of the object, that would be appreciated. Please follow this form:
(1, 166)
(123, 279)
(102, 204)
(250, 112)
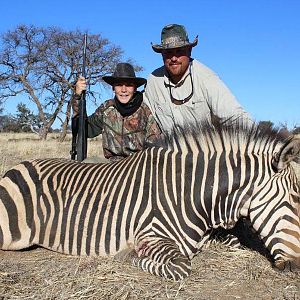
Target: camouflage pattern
(122, 136)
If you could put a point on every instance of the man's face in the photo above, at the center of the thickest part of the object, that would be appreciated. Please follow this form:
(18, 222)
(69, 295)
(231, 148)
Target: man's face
(124, 91)
(176, 62)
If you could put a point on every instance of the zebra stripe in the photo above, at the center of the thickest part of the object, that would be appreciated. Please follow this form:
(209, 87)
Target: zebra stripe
(159, 207)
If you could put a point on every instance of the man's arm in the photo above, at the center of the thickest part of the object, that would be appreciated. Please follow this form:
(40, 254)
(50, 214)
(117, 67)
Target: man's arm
(220, 99)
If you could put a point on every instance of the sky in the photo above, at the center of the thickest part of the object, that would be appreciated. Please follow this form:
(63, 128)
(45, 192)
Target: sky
(253, 45)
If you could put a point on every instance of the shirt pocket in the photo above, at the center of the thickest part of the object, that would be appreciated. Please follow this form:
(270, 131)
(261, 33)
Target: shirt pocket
(195, 103)
(199, 107)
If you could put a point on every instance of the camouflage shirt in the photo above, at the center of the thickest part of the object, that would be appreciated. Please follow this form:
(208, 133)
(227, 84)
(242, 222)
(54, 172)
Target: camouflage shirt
(122, 136)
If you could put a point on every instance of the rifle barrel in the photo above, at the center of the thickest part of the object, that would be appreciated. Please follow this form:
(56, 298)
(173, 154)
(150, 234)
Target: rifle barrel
(82, 134)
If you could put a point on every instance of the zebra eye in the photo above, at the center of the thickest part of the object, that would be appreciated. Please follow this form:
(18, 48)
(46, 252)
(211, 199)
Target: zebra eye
(274, 162)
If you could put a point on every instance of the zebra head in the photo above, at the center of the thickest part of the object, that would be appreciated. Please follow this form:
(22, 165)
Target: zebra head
(275, 209)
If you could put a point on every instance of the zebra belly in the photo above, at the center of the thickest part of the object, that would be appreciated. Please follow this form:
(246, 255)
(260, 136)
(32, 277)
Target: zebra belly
(86, 237)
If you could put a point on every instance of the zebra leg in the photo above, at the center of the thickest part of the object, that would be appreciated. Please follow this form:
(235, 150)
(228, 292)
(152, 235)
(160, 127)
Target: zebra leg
(224, 238)
(162, 257)
(15, 216)
(240, 236)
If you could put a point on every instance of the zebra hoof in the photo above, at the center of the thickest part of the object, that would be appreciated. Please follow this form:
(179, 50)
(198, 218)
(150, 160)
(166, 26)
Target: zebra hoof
(287, 266)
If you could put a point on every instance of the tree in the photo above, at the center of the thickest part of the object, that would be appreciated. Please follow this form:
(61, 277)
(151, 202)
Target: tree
(24, 117)
(8, 124)
(27, 121)
(44, 63)
(4, 120)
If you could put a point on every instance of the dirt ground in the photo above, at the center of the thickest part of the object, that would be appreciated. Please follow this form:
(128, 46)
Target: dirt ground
(218, 272)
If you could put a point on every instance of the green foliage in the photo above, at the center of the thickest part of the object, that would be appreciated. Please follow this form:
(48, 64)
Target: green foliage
(24, 118)
(7, 123)
(23, 121)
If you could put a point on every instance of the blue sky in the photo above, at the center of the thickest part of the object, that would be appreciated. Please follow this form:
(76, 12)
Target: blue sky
(253, 45)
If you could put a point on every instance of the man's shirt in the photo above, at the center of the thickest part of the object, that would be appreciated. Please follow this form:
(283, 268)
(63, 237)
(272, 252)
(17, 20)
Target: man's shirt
(209, 96)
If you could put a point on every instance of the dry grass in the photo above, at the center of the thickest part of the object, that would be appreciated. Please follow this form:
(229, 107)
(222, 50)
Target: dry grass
(18, 147)
(218, 272)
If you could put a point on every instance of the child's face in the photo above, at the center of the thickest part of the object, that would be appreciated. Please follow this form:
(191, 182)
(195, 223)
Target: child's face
(124, 91)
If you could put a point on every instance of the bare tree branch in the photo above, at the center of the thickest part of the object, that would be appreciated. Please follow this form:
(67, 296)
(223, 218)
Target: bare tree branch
(44, 64)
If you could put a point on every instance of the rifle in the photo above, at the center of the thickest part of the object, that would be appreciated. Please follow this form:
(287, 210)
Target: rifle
(79, 125)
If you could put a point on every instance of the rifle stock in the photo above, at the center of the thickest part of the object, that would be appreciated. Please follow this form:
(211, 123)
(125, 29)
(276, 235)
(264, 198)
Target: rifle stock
(79, 125)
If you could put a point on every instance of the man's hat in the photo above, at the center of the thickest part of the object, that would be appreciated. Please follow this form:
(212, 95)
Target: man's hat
(124, 72)
(174, 36)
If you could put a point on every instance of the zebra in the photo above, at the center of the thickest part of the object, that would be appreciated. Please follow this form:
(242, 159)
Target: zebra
(159, 207)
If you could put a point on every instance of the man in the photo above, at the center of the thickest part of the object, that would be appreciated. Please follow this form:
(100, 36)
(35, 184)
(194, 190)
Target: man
(184, 90)
(125, 122)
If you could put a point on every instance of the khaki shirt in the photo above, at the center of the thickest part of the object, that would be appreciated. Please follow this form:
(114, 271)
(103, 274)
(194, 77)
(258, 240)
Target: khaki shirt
(210, 96)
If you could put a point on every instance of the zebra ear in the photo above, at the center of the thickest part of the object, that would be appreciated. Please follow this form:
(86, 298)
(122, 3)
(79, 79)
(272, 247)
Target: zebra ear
(289, 152)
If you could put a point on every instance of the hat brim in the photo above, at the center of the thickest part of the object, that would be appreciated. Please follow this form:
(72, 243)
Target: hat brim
(138, 81)
(160, 48)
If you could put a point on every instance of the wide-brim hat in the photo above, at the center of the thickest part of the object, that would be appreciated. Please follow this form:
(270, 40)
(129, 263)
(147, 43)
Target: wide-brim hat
(124, 72)
(174, 36)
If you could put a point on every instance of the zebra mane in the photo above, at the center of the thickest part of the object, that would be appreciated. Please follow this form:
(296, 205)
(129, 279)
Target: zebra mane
(239, 135)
